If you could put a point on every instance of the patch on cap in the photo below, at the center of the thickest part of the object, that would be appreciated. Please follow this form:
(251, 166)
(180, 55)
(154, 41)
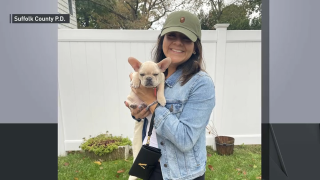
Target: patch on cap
(182, 19)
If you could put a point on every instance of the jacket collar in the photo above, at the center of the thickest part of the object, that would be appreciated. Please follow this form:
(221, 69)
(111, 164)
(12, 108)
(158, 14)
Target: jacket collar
(173, 79)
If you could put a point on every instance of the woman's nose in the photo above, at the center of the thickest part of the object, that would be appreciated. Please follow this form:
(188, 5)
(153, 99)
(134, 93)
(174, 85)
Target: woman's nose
(178, 41)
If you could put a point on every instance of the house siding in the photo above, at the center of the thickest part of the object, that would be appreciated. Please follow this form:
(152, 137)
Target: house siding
(63, 8)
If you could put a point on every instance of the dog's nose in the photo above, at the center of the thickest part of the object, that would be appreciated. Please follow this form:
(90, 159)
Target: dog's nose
(149, 78)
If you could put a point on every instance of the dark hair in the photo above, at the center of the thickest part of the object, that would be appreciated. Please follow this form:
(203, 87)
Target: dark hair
(189, 68)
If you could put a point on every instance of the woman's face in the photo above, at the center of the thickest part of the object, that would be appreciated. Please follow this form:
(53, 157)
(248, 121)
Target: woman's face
(178, 47)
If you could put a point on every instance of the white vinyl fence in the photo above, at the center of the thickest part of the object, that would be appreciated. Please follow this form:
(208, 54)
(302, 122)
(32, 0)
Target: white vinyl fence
(94, 82)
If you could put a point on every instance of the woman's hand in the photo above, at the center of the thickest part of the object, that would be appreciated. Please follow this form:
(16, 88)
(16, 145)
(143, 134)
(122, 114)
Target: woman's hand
(145, 94)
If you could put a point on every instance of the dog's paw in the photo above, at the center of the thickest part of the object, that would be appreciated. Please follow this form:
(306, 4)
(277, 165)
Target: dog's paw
(142, 106)
(162, 101)
(135, 84)
(133, 106)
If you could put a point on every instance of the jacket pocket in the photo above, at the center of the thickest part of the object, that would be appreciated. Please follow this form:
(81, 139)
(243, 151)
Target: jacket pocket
(174, 106)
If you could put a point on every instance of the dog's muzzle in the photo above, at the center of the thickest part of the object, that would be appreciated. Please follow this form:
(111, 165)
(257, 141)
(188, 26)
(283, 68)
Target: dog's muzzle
(149, 82)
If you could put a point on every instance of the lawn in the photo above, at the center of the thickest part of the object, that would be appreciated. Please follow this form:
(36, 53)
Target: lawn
(244, 164)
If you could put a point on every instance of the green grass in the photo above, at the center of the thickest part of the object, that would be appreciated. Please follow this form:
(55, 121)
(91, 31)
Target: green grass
(245, 163)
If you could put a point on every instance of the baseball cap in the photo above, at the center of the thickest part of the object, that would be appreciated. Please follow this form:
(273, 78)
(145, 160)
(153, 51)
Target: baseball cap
(183, 22)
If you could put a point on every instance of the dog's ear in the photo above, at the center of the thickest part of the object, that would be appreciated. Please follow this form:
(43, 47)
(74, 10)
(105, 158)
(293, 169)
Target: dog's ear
(134, 63)
(164, 64)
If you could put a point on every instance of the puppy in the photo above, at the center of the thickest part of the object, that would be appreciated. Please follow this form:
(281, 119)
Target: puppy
(149, 74)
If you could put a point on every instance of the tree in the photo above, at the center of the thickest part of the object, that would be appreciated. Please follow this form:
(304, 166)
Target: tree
(207, 20)
(124, 14)
(142, 14)
(256, 23)
(237, 14)
(90, 14)
(254, 6)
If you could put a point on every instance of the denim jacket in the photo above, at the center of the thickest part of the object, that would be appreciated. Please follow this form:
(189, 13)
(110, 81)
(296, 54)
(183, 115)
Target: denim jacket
(181, 126)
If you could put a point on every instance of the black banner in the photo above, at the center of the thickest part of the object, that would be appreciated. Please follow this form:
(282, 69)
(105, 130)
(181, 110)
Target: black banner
(29, 151)
(40, 18)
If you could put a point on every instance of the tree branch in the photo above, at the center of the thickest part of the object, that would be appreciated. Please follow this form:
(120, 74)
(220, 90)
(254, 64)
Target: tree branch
(157, 19)
(109, 9)
(213, 3)
(144, 6)
(153, 5)
(136, 11)
(130, 6)
(177, 6)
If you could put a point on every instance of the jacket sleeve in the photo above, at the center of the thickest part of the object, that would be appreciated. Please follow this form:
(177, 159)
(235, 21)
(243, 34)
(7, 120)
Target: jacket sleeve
(185, 131)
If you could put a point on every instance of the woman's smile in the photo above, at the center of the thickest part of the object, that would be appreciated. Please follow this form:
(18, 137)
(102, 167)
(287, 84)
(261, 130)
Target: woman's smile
(176, 51)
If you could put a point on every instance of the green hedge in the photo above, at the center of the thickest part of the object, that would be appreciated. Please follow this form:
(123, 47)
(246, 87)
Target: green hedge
(104, 144)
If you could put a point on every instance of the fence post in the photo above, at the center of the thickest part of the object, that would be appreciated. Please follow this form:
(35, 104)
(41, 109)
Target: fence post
(219, 75)
(61, 137)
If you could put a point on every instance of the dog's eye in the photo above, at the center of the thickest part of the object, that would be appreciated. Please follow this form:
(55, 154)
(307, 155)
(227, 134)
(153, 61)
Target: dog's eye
(155, 74)
(141, 74)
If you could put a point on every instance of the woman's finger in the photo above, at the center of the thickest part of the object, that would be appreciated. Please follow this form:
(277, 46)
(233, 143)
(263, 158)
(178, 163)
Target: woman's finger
(135, 112)
(146, 114)
(142, 113)
(125, 102)
(138, 111)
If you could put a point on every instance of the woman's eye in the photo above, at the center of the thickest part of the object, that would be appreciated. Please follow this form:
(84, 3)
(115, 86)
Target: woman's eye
(141, 74)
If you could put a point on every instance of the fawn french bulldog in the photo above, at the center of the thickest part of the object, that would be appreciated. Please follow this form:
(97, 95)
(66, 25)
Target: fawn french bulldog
(150, 75)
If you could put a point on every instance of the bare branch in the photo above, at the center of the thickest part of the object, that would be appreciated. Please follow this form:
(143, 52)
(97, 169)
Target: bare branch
(151, 6)
(178, 6)
(129, 5)
(136, 11)
(157, 19)
(144, 6)
(110, 9)
(213, 3)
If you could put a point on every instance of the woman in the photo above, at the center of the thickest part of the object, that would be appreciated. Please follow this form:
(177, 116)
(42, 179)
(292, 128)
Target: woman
(180, 126)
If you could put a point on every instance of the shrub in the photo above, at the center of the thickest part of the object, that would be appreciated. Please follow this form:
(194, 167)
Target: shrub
(104, 144)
